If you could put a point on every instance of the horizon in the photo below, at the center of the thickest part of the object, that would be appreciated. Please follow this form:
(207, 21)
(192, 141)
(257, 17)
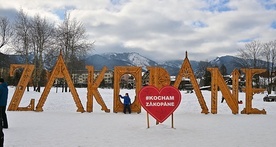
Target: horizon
(89, 55)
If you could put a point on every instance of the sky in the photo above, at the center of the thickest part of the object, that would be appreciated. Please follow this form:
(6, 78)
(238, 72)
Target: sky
(162, 29)
(59, 125)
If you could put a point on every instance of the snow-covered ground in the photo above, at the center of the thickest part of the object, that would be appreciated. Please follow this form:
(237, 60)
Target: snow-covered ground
(59, 125)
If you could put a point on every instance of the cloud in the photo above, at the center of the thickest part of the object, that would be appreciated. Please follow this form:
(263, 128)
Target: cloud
(163, 29)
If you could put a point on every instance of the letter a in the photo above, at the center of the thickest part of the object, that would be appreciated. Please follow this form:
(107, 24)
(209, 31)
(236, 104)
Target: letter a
(59, 71)
(187, 71)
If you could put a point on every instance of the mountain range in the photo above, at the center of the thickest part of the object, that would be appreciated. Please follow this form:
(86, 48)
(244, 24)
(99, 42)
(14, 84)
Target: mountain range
(173, 66)
(134, 59)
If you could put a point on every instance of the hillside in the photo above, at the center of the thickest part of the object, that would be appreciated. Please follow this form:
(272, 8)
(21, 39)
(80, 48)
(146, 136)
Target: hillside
(134, 59)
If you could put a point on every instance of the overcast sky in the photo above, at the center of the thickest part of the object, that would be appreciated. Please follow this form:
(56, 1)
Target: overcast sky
(162, 29)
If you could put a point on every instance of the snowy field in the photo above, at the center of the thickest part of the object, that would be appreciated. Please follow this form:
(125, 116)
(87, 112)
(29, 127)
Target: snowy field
(59, 125)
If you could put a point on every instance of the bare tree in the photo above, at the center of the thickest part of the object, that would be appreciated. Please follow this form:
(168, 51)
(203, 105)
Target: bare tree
(203, 73)
(266, 53)
(251, 53)
(5, 35)
(272, 46)
(72, 40)
(202, 68)
(5, 31)
(42, 34)
(21, 42)
(269, 52)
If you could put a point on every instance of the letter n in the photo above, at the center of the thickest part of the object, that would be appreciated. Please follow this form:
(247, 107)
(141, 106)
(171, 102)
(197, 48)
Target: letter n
(218, 81)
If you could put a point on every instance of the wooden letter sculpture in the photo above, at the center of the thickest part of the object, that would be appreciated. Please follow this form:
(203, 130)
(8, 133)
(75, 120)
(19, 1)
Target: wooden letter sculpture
(119, 71)
(250, 91)
(158, 77)
(92, 89)
(21, 86)
(218, 81)
(187, 72)
(60, 71)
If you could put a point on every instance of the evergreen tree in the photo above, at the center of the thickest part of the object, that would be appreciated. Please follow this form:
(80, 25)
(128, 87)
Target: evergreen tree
(223, 70)
(207, 78)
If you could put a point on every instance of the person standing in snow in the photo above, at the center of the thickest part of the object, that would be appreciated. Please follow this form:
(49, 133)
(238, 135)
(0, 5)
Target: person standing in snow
(222, 99)
(127, 102)
(3, 102)
(1, 133)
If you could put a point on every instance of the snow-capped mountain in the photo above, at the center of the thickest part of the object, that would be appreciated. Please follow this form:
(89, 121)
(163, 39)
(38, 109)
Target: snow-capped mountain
(173, 66)
(134, 59)
(230, 62)
(119, 59)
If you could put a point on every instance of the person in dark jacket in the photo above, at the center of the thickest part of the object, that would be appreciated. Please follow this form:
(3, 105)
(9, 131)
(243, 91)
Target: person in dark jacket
(127, 102)
(3, 102)
(1, 132)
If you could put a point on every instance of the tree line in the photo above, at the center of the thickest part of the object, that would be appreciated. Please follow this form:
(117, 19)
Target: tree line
(254, 54)
(257, 51)
(40, 41)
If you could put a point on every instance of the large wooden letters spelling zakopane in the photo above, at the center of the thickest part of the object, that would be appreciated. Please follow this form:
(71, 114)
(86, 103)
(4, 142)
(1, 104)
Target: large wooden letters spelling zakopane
(21, 86)
(119, 71)
(59, 71)
(158, 77)
(92, 89)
